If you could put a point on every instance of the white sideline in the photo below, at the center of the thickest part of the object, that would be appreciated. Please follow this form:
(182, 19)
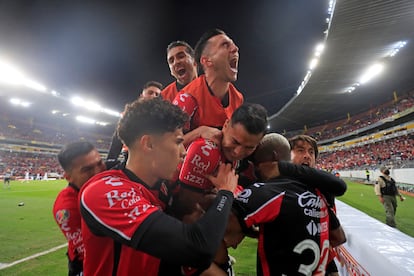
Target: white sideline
(3, 266)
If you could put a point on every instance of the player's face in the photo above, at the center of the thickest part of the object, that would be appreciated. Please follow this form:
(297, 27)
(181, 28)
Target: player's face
(169, 151)
(182, 65)
(84, 167)
(237, 143)
(150, 93)
(303, 154)
(223, 57)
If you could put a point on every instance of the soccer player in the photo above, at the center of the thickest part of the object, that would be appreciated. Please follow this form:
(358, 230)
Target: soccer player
(150, 90)
(210, 99)
(304, 151)
(80, 161)
(180, 59)
(6, 180)
(124, 227)
(183, 67)
(241, 134)
(292, 217)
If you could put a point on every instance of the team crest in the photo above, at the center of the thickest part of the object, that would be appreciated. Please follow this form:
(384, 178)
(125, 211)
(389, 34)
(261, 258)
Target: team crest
(62, 216)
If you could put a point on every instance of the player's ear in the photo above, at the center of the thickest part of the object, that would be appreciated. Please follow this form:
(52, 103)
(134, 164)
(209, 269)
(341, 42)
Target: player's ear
(146, 142)
(205, 60)
(226, 124)
(67, 176)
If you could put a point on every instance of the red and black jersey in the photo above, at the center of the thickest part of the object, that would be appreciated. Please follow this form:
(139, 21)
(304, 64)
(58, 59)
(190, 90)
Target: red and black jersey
(203, 158)
(126, 232)
(116, 207)
(67, 216)
(203, 107)
(169, 92)
(293, 221)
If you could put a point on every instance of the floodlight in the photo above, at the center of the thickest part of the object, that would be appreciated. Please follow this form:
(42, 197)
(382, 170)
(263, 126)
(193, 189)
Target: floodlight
(92, 106)
(111, 112)
(319, 48)
(19, 102)
(84, 119)
(34, 85)
(102, 123)
(10, 75)
(77, 101)
(371, 72)
(313, 63)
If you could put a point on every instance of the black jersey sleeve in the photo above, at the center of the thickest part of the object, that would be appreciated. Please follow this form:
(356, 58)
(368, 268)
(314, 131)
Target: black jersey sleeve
(187, 244)
(114, 151)
(326, 182)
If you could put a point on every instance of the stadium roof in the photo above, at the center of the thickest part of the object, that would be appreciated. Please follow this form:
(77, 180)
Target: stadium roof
(361, 33)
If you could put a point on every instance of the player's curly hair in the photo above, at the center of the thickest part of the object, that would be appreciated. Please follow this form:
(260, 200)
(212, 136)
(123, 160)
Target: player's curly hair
(155, 116)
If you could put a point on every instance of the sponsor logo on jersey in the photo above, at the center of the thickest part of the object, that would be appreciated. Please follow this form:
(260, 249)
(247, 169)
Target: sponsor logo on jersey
(244, 196)
(199, 166)
(62, 216)
(75, 237)
(311, 204)
(125, 198)
(113, 181)
(316, 228)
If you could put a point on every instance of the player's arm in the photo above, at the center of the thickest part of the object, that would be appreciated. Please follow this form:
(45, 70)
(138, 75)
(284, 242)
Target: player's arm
(206, 132)
(336, 232)
(326, 182)
(193, 244)
(189, 105)
(203, 158)
(114, 151)
(68, 219)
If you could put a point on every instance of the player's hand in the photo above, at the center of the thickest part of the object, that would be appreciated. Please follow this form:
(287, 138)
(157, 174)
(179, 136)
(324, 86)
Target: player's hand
(210, 133)
(402, 198)
(226, 178)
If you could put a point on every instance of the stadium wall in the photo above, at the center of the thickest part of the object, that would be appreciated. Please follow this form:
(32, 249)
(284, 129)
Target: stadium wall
(400, 175)
(372, 248)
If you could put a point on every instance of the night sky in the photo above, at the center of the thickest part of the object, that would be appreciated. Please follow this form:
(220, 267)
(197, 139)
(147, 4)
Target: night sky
(108, 51)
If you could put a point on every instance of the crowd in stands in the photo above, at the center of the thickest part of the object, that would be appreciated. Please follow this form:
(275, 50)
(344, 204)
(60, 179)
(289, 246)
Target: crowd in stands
(359, 121)
(395, 152)
(52, 135)
(42, 160)
(23, 164)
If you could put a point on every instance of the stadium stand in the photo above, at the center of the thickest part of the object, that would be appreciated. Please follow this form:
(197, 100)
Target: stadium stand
(30, 146)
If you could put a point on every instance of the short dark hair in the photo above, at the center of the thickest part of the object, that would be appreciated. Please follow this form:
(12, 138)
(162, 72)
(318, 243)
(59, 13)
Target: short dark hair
(252, 116)
(155, 116)
(72, 151)
(273, 147)
(202, 43)
(305, 138)
(152, 83)
(178, 43)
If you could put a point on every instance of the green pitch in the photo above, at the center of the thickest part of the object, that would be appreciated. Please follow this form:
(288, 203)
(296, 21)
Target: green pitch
(30, 229)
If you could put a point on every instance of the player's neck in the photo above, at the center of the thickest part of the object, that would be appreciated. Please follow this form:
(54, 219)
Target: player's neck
(142, 171)
(217, 87)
